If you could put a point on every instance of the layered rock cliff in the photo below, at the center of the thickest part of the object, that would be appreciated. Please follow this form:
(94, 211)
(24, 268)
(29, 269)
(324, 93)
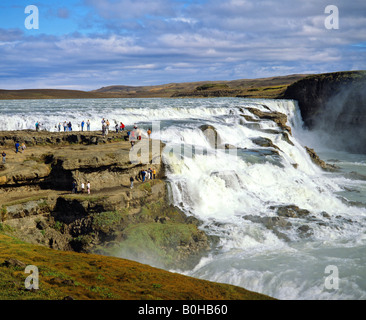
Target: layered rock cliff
(335, 105)
(39, 206)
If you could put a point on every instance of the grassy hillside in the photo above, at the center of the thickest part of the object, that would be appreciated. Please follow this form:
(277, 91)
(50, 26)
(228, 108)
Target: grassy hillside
(272, 87)
(46, 94)
(87, 276)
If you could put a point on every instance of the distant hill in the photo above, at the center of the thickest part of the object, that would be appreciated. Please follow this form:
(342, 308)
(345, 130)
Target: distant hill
(46, 94)
(272, 87)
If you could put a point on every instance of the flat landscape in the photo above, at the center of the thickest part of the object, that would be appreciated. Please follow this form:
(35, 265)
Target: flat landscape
(273, 87)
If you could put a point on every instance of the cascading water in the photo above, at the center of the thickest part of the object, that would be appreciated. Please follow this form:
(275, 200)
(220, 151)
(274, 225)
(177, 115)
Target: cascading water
(237, 196)
(280, 220)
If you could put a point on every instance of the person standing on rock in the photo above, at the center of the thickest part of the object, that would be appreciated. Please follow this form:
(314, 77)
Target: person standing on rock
(4, 157)
(88, 187)
(107, 127)
(149, 133)
(59, 127)
(154, 173)
(17, 147)
(65, 126)
(138, 132)
(149, 174)
(82, 125)
(128, 136)
(82, 187)
(88, 125)
(131, 180)
(74, 188)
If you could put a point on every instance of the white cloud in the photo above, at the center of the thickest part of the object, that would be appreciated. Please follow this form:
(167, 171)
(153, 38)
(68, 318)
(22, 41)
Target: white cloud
(171, 41)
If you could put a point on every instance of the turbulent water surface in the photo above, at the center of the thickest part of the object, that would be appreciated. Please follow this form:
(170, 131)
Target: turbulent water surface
(237, 192)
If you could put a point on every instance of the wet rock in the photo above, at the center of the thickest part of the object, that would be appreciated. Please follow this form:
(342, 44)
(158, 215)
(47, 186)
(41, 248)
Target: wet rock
(315, 158)
(227, 146)
(290, 211)
(286, 138)
(264, 142)
(275, 224)
(305, 231)
(281, 235)
(211, 135)
(279, 118)
(354, 176)
(230, 177)
(269, 222)
(259, 152)
(325, 215)
(249, 118)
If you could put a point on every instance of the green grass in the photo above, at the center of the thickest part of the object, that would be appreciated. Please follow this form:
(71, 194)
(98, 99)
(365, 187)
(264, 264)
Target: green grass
(25, 200)
(212, 86)
(155, 242)
(104, 221)
(339, 76)
(96, 277)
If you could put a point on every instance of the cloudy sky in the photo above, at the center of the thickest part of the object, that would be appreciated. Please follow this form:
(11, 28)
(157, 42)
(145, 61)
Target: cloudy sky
(87, 44)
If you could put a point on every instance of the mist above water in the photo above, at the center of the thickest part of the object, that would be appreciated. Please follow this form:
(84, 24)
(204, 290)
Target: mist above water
(341, 125)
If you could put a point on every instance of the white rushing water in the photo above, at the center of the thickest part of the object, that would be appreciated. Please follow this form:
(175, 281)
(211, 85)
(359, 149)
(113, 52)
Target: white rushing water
(235, 192)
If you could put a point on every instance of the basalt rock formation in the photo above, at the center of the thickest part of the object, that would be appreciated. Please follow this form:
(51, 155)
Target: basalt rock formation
(335, 105)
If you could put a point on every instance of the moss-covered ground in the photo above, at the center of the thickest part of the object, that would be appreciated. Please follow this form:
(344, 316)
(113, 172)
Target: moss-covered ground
(96, 277)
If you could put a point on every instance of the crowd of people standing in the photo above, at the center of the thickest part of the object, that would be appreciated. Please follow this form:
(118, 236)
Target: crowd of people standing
(144, 175)
(132, 135)
(82, 187)
(67, 126)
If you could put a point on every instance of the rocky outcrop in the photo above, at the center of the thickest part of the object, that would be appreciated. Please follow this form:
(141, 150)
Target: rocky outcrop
(334, 104)
(279, 118)
(211, 135)
(38, 206)
(315, 158)
(264, 142)
(55, 160)
(291, 222)
(42, 138)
